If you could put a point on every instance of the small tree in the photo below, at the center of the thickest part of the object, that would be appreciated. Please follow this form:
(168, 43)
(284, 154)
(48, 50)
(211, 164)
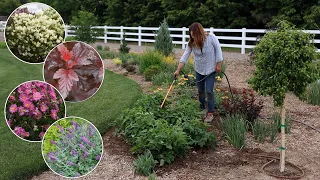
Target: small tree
(163, 42)
(124, 49)
(83, 22)
(284, 62)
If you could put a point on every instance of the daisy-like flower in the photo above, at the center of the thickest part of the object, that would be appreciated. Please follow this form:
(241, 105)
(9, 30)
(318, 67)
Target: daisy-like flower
(20, 132)
(37, 96)
(13, 108)
(54, 114)
(23, 97)
(190, 75)
(12, 98)
(217, 89)
(225, 97)
(43, 107)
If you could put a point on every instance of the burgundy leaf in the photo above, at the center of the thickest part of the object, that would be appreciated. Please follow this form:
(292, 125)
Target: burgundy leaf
(54, 60)
(66, 79)
(83, 54)
(66, 55)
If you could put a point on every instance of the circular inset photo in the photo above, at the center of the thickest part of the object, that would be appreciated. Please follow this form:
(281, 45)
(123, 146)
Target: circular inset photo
(31, 108)
(32, 30)
(72, 147)
(75, 69)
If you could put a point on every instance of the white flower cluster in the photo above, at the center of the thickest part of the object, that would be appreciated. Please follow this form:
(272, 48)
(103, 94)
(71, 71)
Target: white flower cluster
(31, 36)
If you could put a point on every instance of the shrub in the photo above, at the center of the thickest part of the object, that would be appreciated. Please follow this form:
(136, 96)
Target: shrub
(124, 49)
(108, 54)
(145, 163)
(150, 58)
(162, 78)
(152, 176)
(99, 47)
(30, 37)
(78, 149)
(31, 108)
(3, 45)
(70, 38)
(234, 129)
(106, 48)
(151, 71)
(83, 23)
(244, 103)
(163, 42)
(117, 61)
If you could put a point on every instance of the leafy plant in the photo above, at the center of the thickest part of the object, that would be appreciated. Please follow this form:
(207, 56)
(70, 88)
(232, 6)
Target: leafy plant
(163, 42)
(152, 176)
(30, 37)
(31, 108)
(83, 23)
(3, 45)
(150, 58)
(313, 93)
(124, 49)
(117, 61)
(151, 71)
(260, 130)
(77, 73)
(162, 78)
(145, 163)
(276, 118)
(99, 47)
(234, 129)
(70, 38)
(78, 149)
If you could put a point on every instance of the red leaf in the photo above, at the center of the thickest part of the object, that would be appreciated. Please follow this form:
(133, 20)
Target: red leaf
(66, 55)
(66, 79)
(83, 54)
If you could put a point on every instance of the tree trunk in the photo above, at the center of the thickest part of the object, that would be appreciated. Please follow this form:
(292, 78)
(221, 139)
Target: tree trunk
(283, 139)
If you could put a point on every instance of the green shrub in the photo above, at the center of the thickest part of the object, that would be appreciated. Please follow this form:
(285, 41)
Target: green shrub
(150, 58)
(145, 163)
(260, 130)
(163, 41)
(313, 93)
(234, 129)
(99, 47)
(152, 176)
(3, 45)
(124, 49)
(108, 54)
(83, 22)
(151, 71)
(106, 48)
(162, 78)
(70, 38)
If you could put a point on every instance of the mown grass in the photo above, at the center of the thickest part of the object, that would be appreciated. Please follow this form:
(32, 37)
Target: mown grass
(21, 159)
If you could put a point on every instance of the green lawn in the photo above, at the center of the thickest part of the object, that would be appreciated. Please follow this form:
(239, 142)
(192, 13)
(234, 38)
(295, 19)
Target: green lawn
(21, 159)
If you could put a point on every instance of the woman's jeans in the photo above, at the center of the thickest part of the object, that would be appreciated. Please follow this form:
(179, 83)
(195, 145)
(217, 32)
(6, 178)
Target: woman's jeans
(206, 87)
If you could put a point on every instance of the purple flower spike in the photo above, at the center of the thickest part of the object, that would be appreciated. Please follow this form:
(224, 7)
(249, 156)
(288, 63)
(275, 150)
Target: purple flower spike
(53, 142)
(98, 157)
(69, 135)
(85, 154)
(71, 163)
(52, 157)
(75, 124)
(77, 174)
(69, 130)
(60, 128)
(74, 153)
(84, 139)
(82, 146)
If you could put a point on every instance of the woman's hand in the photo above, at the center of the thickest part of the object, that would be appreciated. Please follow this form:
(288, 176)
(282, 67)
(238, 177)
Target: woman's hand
(218, 67)
(176, 73)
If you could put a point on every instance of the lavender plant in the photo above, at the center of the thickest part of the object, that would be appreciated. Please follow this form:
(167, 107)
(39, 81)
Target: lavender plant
(78, 149)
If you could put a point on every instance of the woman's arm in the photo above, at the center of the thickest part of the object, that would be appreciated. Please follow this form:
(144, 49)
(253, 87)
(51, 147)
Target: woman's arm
(183, 60)
(218, 53)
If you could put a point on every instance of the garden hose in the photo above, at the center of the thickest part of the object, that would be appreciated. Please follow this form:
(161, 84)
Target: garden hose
(230, 90)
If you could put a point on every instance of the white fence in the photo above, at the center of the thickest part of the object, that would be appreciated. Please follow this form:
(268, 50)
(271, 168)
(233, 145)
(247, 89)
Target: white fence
(240, 38)
(147, 34)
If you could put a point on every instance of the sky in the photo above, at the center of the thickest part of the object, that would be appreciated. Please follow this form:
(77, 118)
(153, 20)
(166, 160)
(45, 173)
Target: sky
(35, 7)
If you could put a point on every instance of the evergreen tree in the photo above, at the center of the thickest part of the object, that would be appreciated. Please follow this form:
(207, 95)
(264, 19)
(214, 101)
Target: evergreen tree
(124, 49)
(163, 42)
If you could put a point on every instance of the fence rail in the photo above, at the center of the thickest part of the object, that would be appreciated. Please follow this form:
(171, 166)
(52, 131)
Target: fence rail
(237, 38)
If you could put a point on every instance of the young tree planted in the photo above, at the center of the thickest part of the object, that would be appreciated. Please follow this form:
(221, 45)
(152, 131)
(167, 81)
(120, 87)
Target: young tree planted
(124, 48)
(284, 62)
(163, 42)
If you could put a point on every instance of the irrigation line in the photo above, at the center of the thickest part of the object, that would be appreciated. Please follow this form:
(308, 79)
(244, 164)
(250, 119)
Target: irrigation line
(307, 125)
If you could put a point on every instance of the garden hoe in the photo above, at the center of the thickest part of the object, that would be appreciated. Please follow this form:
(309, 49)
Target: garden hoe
(165, 98)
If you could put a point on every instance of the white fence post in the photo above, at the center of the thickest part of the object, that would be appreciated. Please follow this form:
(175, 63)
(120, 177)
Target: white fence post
(66, 31)
(211, 30)
(139, 36)
(184, 37)
(243, 41)
(121, 35)
(105, 34)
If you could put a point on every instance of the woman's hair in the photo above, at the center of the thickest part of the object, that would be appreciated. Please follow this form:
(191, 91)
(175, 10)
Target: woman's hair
(199, 35)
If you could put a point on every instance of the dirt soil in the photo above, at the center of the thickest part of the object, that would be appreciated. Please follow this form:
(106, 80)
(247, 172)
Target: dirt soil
(303, 143)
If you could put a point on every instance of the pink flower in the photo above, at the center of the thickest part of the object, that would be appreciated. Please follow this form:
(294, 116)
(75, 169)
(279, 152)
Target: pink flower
(41, 135)
(13, 108)
(28, 91)
(21, 110)
(37, 114)
(37, 96)
(9, 123)
(20, 132)
(43, 107)
(28, 105)
(12, 98)
(54, 114)
(52, 95)
(23, 97)
(20, 89)
(46, 127)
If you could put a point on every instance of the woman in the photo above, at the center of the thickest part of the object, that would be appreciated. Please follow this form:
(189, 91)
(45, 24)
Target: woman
(207, 62)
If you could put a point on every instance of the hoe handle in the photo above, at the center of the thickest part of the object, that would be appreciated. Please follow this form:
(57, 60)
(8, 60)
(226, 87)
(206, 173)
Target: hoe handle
(165, 98)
